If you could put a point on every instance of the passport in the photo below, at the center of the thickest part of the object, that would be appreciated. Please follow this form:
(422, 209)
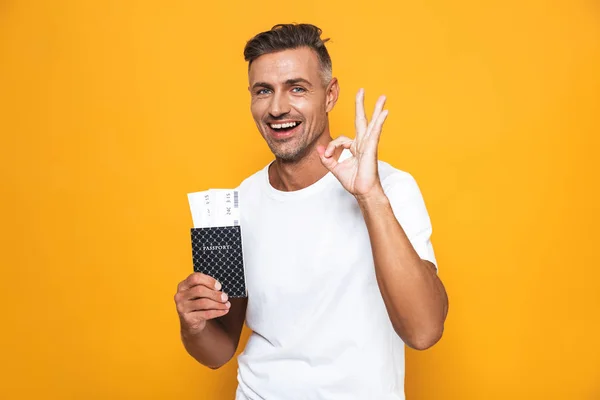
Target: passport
(216, 238)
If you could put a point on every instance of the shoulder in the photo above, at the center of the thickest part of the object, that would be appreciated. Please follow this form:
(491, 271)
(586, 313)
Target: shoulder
(396, 180)
(402, 189)
(254, 181)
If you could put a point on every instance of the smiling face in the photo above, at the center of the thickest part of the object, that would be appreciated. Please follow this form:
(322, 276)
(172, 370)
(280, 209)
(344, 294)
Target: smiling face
(290, 101)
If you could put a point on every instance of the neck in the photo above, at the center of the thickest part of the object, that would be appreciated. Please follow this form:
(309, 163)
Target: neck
(299, 174)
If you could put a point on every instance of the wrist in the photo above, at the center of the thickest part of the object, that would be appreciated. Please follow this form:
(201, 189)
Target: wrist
(188, 331)
(375, 197)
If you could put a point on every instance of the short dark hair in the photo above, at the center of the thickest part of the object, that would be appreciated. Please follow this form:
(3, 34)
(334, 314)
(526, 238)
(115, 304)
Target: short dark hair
(287, 37)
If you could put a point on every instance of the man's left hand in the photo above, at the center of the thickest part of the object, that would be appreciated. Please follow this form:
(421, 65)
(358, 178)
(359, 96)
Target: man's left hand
(358, 174)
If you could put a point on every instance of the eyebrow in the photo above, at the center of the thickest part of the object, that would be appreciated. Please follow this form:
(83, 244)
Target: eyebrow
(289, 82)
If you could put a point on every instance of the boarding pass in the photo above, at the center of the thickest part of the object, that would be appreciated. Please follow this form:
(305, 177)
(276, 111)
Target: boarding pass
(215, 207)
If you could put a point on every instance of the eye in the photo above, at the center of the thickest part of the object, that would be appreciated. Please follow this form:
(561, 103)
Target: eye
(263, 91)
(298, 89)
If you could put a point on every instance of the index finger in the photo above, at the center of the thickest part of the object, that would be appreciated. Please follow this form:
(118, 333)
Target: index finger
(198, 278)
(361, 118)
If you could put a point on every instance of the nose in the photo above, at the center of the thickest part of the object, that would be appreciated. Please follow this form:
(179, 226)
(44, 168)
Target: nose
(279, 105)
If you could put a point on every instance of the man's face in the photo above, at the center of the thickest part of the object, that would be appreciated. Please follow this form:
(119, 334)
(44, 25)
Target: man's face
(290, 101)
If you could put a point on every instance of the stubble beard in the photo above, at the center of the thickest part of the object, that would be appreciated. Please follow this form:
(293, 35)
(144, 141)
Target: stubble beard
(287, 150)
(295, 148)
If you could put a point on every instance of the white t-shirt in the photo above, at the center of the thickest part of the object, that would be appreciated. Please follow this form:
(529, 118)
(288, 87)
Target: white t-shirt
(320, 329)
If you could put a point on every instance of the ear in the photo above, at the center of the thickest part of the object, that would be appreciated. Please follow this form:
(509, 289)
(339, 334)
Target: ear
(333, 92)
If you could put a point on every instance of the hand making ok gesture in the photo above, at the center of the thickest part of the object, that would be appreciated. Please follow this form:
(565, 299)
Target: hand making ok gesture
(358, 174)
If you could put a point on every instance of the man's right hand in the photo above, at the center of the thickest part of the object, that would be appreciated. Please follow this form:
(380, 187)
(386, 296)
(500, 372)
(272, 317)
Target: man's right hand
(199, 299)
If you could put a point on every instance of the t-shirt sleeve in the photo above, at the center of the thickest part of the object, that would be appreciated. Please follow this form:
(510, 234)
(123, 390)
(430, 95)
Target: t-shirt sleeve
(411, 212)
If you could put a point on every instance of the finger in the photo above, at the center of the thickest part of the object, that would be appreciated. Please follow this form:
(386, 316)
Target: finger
(329, 162)
(198, 278)
(203, 305)
(212, 314)
(342, 141)
(376, 131)
(360, 122)
(376, 113)
(202, 291)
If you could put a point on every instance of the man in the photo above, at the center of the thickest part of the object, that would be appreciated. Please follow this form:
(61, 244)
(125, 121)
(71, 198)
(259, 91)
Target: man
(340, 268)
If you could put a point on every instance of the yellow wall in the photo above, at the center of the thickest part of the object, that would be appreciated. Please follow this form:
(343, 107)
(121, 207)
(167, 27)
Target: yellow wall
(112, 111)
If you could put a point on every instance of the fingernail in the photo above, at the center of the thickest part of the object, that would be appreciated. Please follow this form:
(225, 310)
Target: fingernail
(224, 297)
(218, 285)
(228, 304)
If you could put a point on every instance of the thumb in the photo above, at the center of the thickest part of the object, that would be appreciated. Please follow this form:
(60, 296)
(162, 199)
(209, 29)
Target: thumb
(328, 162)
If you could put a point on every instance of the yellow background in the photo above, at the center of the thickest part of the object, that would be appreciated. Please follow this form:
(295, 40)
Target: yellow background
(112, 111)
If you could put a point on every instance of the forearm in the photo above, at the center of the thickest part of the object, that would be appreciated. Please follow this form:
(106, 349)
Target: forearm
(414, 296)
(212, 347)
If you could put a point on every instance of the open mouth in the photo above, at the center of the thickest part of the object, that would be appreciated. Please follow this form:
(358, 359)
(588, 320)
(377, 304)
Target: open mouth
(285, 128)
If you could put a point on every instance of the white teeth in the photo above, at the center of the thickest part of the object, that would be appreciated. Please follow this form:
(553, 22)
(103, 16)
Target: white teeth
(283, 126)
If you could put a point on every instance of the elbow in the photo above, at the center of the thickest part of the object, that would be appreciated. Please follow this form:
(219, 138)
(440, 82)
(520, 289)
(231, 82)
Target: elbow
(215, 364)
(425, 339)
(210, 362)
(218, 363)
(424, 343)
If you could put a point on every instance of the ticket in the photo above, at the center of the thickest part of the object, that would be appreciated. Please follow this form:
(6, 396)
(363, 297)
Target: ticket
(226, 207)
(201, 206)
